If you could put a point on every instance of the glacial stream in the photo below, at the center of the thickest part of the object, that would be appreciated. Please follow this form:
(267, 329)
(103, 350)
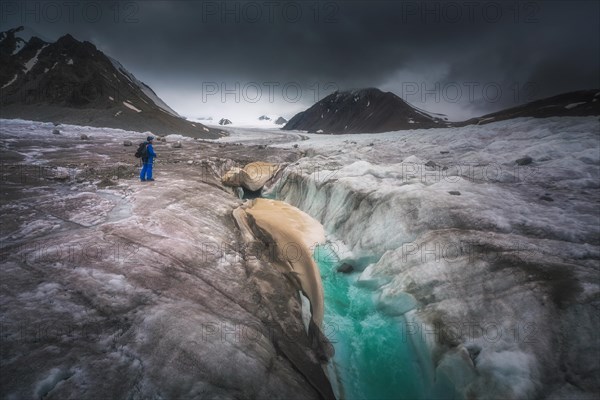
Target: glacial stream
(375, 357)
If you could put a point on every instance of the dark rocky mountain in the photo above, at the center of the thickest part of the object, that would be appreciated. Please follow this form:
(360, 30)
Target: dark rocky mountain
(225, 121)
(572, 104)
(372, 111)
(264, 118)
(281, 121)
(72, 82)
(363, 111)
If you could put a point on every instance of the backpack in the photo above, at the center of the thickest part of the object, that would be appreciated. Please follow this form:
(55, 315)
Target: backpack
(141, 151)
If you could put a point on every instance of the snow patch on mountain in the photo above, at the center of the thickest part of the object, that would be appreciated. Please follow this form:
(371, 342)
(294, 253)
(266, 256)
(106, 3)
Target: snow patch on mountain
(11, 81)
(31, 63)
(20, 44)
(131, 107)
(573, 105)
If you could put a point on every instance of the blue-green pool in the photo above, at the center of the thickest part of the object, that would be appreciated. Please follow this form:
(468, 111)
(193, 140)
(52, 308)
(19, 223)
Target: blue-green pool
(373, 358)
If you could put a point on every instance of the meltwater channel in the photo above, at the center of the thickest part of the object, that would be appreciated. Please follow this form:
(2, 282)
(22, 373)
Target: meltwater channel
(374, 359)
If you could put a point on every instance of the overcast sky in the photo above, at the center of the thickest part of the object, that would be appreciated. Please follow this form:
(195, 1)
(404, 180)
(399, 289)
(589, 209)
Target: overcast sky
(240, 59)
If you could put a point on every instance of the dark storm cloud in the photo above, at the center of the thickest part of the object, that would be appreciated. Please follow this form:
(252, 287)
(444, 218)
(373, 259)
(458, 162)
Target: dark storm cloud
(527, 49)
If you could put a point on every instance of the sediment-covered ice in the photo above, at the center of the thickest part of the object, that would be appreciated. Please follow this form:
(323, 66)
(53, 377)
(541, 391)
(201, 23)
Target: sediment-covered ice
(295, 235)
(113, 288)
(252, 176)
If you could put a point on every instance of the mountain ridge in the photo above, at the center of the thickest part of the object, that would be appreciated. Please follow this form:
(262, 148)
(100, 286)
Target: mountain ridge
(580, 103)
(68, 81)
(394, 114)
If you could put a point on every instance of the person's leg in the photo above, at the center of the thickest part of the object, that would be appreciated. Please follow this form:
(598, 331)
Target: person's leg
(143, 172)
(149, 172)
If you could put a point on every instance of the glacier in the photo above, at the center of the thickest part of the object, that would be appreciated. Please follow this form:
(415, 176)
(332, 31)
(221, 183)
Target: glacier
(493, 266)
(476, 276)
(112, 288)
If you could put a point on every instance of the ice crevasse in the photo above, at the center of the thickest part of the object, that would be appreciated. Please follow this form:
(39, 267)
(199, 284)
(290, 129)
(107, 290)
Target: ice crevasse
(496, 287)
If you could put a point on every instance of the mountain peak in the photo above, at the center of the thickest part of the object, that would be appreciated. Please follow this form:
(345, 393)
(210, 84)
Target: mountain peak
(67, 38)
(359, 92)
(362, 111)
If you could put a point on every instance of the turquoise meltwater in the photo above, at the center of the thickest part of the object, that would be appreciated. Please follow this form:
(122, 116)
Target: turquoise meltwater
(373, 358)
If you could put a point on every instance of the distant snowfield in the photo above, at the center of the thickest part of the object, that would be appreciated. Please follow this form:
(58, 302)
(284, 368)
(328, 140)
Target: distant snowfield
(243, 124)
(258, 136)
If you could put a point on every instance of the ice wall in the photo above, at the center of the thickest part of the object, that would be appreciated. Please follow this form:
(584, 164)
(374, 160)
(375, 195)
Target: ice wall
(493, 262)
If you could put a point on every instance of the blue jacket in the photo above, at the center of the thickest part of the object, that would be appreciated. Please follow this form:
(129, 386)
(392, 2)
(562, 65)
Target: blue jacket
(150, 154)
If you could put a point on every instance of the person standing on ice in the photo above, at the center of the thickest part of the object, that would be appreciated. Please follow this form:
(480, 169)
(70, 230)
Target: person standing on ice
(147, 161)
